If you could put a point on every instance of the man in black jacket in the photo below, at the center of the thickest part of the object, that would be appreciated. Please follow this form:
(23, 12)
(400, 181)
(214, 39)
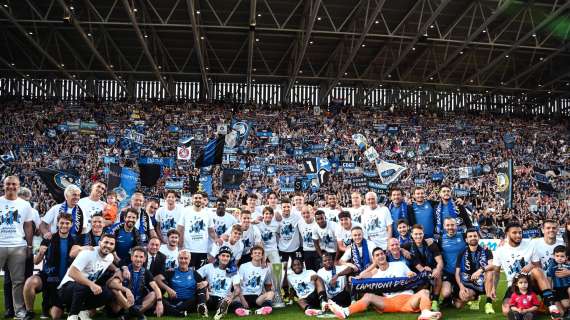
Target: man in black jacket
(156, 260)
(54, 268)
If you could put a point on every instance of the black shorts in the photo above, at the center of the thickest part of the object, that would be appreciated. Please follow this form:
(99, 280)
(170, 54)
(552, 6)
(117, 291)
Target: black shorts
(286, 255)
(213, 304)
(198, 260)
(560, 294)
(49, 291)
(342, 299)
(313, 300)
(251, 300)
(447, 277)
(312, 260)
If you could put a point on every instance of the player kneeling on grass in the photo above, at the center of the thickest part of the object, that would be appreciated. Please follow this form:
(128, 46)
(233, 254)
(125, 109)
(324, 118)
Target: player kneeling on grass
(403, 301)
(254, 277)
(309, 288)
(474, 273)
(334, 279)
(222, 278)
(185, 288)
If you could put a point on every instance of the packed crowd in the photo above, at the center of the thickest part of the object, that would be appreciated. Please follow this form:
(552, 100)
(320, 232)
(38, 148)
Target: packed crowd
(223, 251)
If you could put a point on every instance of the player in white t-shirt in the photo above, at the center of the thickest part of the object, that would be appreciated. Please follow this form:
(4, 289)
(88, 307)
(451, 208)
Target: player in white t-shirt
(357, 209)
(377, 221)
(544, 247)
(517, 256)
(83, 286)
(222, 220)
(344, 231)
(170, 249)
(269, 229)
(16, 232)
(223, 284)
(324, 234)
(306, 227)
(358, 254)
(394, 302)
(334, 279)
(234, 243)
(196, 229)
(256, 285)
(80, 224)
(93, 204)
(251, 236)
(332, 209)
(309, 288)
(167, 217)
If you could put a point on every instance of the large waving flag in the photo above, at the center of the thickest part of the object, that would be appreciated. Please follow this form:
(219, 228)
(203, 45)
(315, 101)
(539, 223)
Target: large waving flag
(212, 153)
(389, 172)
(505, 183)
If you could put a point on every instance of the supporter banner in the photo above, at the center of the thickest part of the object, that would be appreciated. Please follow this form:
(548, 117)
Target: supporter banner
(163, 162)
(174, 184)
(114, 176)
(378, 187)
(73, 125)
(461, 192)
(231, 179)
(274, 140)
(393, 129)
(222, 128)
(149, 174)
(437, 176)
(212, 153)
(270, 171)
(57, 180)
(505, 183)
(287, 183)
(465, 172)
(542, 181)
(256, 169)
(384, 285)
(370, 173)
(509, 140)
(371, 154)
(531, 233)
(134, 136)
(324, 169)
(359, 182)
(129, 181)
(107, 160)
(389, 172)
(8, 156)
(241, 129)
(173, 128)
(88, 127)
(348, 165)
(360, 141)
(183, 153)
(420, 182)
(264, 134)
(206, 185)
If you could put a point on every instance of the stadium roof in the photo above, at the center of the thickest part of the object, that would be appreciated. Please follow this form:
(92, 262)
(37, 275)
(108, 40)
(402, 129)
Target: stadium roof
(485, 44)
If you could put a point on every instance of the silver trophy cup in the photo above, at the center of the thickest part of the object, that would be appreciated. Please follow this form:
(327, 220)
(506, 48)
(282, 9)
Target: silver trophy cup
(277, 275)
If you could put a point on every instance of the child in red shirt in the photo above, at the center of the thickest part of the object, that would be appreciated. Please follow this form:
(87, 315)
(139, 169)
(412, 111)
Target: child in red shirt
(523, 303)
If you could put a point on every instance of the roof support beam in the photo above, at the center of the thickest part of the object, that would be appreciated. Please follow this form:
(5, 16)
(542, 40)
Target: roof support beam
(25, 76)
(146, 51)
(355, 46)
(302, 44)
(59, 65)
(250, 48)
(528, 35)
(198, 47)
(91, 46)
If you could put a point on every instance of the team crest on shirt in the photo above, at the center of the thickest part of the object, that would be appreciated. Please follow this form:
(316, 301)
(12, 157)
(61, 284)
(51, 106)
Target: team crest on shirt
(302, 288)
(287, 229)
(308, 237)
(221, 229)
(197, 226)
(266, 236)
(374, 223)
(220, 284)
(254, 281)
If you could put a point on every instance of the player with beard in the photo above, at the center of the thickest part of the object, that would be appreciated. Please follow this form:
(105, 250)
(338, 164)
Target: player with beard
(423, 212)
(474, 272)
(399, 209)
(256, 289)
(517, 256)
(93, 204)
(82, 287)
(143, 222)
(332, 208)
(447, 207)
(334, 279)
(324, 234)
(126, 235)
(222, 220)
(306, 227)
(167, 217)
(223, 283)
(404, 301)
(451, 244)
(170, 249)
(309, 288)
(196, 229)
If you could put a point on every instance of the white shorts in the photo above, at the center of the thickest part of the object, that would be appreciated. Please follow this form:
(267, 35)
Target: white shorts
(273, 256)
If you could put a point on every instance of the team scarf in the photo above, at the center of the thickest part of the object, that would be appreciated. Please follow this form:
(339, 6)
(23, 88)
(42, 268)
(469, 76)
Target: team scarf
(77, 218)
(52, 256)
(136, 288)
(144, 225)
(403, 210)
(379, 286)
(471, 262)
(453, 212)
(425, 254)
(361, 262)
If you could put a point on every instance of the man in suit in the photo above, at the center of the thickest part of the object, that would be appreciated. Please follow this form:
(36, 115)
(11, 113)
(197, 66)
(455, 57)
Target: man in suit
(156, 260)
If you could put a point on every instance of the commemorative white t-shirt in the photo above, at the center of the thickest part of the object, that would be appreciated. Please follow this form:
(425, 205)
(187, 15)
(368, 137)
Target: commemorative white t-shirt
(90, 264)
(249, 238)
(89, 208)
(219, 282)
(356, 213)
(50, 218)
(331, 214)
(395, 269)
(171, 256)
(327, 275)
(301, 283)
(307, 230)
(543, 251)
(375, 222)
(513, 259)
(224, 223)
(196, 225)
(345, 235)
(289, 236)
(13, 214)
(253, 279)
(326, 236)
(168, 219)
(236, 248)
(269, 234)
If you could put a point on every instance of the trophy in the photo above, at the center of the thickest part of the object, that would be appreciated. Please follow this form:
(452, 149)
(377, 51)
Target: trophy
(277, 275)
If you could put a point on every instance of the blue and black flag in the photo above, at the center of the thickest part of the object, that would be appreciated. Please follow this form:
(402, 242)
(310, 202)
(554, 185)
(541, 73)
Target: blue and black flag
(212, 153)
(57, 180)
(505, 183)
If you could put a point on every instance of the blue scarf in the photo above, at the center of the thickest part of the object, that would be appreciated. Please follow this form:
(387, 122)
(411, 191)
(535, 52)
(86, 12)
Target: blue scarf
(453, 212)
(379, 286)
(361, 262)
(471, 262)
(76, 218)
(403, 210)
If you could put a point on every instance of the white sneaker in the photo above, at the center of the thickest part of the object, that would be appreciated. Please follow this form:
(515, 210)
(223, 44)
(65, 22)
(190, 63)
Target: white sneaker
(84, 315)
(74, 317)
(339, 312)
